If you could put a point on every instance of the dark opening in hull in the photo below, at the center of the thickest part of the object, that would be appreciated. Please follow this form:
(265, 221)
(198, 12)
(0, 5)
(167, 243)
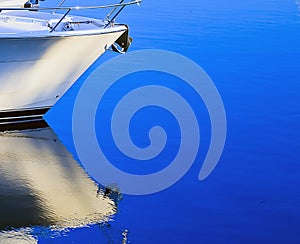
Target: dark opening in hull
(23, 119)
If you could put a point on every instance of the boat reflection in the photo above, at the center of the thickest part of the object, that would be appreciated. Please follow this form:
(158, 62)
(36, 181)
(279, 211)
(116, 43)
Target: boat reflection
(42, 185)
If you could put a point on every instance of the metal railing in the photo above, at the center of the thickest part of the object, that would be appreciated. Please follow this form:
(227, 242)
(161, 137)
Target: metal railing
(116, 10)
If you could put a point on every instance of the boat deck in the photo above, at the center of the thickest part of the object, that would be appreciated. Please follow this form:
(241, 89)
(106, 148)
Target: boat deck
(22, 22)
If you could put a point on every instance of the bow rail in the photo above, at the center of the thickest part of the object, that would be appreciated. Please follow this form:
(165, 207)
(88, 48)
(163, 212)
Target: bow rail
(116, 10)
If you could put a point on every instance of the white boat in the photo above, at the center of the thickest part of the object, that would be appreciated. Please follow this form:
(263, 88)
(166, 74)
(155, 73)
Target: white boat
(44, 52)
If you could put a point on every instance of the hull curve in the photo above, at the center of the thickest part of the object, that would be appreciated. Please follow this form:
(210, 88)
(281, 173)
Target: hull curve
(36, 72)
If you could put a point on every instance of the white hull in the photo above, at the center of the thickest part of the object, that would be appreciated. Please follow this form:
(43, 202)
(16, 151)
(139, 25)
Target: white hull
(36, 72)
(43, 53)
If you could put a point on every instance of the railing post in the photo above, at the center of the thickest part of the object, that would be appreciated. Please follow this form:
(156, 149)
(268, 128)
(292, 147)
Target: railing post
(60, 20)
(59, 5)
(113, 18)
(113, 10)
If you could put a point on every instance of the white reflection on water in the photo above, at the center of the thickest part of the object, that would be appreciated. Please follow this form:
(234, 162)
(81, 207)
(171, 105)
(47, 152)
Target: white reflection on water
(42, 185)
(21, 236)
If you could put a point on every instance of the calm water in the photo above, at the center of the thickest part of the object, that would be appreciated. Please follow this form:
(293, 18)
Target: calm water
(250, 50)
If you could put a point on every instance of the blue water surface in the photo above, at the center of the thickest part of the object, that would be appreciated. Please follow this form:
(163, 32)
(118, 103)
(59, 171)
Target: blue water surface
(251, 51)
